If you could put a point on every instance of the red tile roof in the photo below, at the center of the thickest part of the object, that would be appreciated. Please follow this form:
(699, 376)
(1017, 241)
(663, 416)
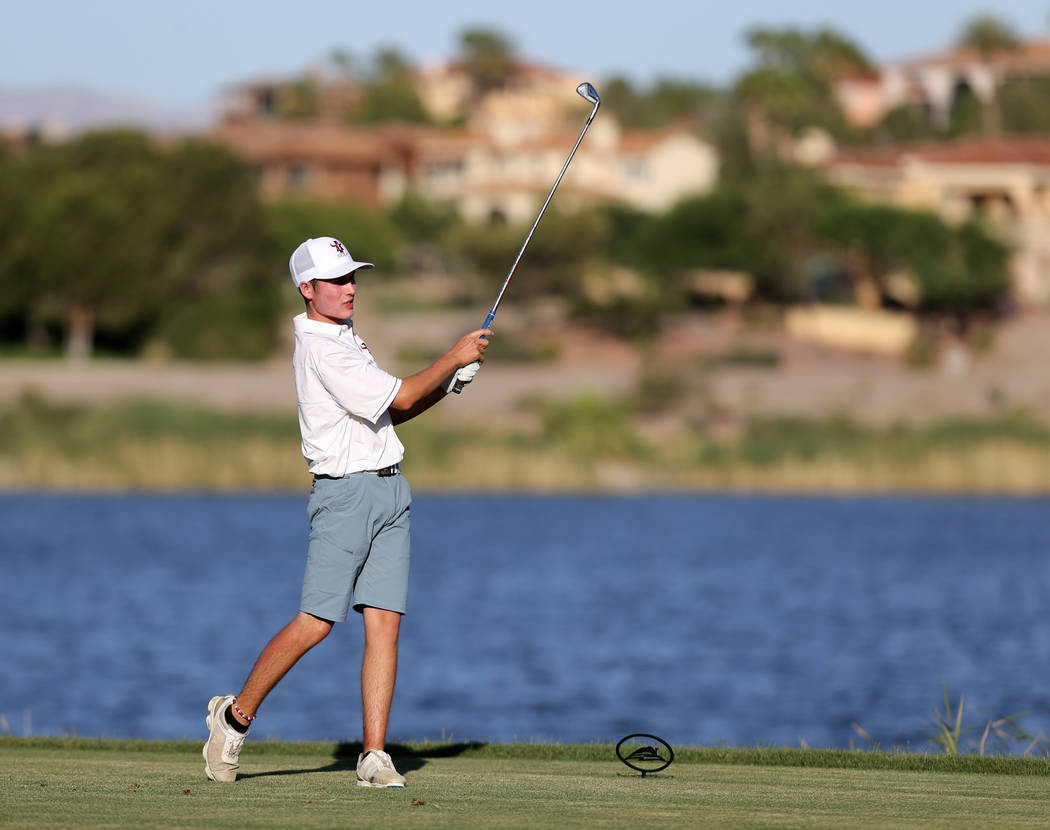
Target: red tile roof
(261, 140)
(268, 140)
(997, 150)
(640, 141)
(1030, 55)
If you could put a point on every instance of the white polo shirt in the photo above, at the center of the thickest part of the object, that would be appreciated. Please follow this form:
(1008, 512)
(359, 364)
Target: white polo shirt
(343, 401)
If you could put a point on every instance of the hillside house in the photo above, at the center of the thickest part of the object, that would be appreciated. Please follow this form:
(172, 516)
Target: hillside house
(1004, 181)
(933, 83)
(497, 167)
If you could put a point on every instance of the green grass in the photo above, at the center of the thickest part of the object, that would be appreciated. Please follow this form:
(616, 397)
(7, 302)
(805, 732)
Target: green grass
(52, 782)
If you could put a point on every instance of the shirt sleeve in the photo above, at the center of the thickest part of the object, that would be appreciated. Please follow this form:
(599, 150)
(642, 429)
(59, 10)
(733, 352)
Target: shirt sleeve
(356, 384)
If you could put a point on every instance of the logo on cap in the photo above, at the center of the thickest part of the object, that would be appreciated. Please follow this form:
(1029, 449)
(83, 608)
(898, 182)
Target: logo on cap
(339, 247)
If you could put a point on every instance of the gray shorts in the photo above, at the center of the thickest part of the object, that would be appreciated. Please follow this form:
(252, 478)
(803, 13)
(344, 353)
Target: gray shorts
(359, 546)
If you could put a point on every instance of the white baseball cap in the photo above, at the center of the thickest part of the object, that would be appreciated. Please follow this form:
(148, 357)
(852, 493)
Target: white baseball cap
(323, 258)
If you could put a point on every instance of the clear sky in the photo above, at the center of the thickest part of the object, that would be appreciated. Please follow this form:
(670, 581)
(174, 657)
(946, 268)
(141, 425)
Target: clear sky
(184, 52)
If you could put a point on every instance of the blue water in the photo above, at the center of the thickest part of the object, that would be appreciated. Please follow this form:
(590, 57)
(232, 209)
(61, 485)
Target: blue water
(705, 619)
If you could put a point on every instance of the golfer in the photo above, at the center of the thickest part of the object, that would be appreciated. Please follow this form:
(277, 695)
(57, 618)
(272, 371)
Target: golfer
(359, 505)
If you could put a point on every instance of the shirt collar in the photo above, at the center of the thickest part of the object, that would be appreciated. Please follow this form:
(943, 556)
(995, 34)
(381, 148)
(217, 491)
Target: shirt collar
(305, 324)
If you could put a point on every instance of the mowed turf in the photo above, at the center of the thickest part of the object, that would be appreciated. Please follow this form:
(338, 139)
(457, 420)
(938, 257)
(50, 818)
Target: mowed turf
(57, 782)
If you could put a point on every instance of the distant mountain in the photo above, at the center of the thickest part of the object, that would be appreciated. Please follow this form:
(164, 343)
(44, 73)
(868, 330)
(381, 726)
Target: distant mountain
(67, 109)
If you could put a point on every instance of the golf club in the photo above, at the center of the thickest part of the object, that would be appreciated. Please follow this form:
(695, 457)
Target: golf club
(589, 93)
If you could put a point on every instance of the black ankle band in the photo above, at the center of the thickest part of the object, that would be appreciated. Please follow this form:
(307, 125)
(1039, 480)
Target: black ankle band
(232, 721)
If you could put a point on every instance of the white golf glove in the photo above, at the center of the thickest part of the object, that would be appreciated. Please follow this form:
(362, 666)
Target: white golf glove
(461, 377)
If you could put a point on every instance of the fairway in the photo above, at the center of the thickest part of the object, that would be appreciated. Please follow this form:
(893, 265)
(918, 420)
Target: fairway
(55, 782)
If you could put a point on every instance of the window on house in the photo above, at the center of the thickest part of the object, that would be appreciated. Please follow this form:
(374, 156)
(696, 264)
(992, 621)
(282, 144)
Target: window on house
(297, 176)
(266, 102)
(445, 168)
(634, 168)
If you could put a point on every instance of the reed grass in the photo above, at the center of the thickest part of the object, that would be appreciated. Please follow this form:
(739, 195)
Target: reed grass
(999, 735)
(586, 444)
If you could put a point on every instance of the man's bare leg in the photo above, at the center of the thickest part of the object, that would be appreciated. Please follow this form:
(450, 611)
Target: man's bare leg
(281, 653)
(378, 673)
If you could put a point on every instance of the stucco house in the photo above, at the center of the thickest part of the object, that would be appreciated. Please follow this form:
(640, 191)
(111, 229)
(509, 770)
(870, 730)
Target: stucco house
(933, 83)
(498, 166)
(1004, 181)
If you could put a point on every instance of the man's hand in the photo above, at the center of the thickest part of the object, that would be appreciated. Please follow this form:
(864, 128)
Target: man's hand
(476, 340)
(470, 348)
(461, 377)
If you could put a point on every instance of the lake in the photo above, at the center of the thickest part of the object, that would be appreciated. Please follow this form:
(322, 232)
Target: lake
(748, 620)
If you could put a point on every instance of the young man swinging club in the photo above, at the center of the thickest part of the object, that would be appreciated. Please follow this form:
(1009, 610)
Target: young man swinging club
(359, 505)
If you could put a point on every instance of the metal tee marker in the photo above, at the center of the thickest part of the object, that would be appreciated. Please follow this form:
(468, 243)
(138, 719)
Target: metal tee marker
(588, 92)
(645, 756)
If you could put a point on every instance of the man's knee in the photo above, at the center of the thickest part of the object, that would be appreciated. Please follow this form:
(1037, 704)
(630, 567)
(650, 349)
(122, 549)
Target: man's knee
(312, 628)
(381, 624)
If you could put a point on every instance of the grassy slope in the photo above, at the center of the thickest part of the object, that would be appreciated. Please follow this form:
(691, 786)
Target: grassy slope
(55, 782)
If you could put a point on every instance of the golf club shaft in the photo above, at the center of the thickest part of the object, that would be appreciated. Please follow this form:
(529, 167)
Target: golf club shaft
(458, 387)
(539, 216)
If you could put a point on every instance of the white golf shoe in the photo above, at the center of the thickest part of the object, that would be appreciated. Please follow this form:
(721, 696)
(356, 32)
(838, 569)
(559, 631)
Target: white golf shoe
(375, 769)
(222, 750)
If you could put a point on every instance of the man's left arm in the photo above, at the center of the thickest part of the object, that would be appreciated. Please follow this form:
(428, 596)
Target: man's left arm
(399, 416)
(415, 394)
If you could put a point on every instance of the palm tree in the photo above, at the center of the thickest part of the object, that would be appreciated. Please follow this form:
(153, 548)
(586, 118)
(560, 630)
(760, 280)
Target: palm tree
(989, 35)
(488, 57)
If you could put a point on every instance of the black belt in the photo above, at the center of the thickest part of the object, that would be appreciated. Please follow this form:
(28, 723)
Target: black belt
(392, 470)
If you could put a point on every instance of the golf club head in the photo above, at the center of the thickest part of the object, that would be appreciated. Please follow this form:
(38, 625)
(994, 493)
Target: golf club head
(589, 93)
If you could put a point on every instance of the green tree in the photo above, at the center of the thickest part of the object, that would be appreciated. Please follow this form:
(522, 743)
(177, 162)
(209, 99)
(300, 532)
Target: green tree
(790, 83)
(628, 230)
(666, 101)
(988, 34)
(220, 300)
(969, 275)
(427, 227)
(300, 99)
(968, 115)
(777, 225)
(958, 271)
(94, 225)
(370, 236)
(342, 61)
(620, 97)
(389, 92)
(116, 239)
(560, 251)
(903, 124)
(763, 225)
(488, 57)
(15, 279)
(1023, 104)
(872, 241)
(422, 220)
(707, 231)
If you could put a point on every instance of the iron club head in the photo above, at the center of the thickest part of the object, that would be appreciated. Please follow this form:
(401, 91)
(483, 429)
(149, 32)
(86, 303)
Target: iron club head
(588, 92)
